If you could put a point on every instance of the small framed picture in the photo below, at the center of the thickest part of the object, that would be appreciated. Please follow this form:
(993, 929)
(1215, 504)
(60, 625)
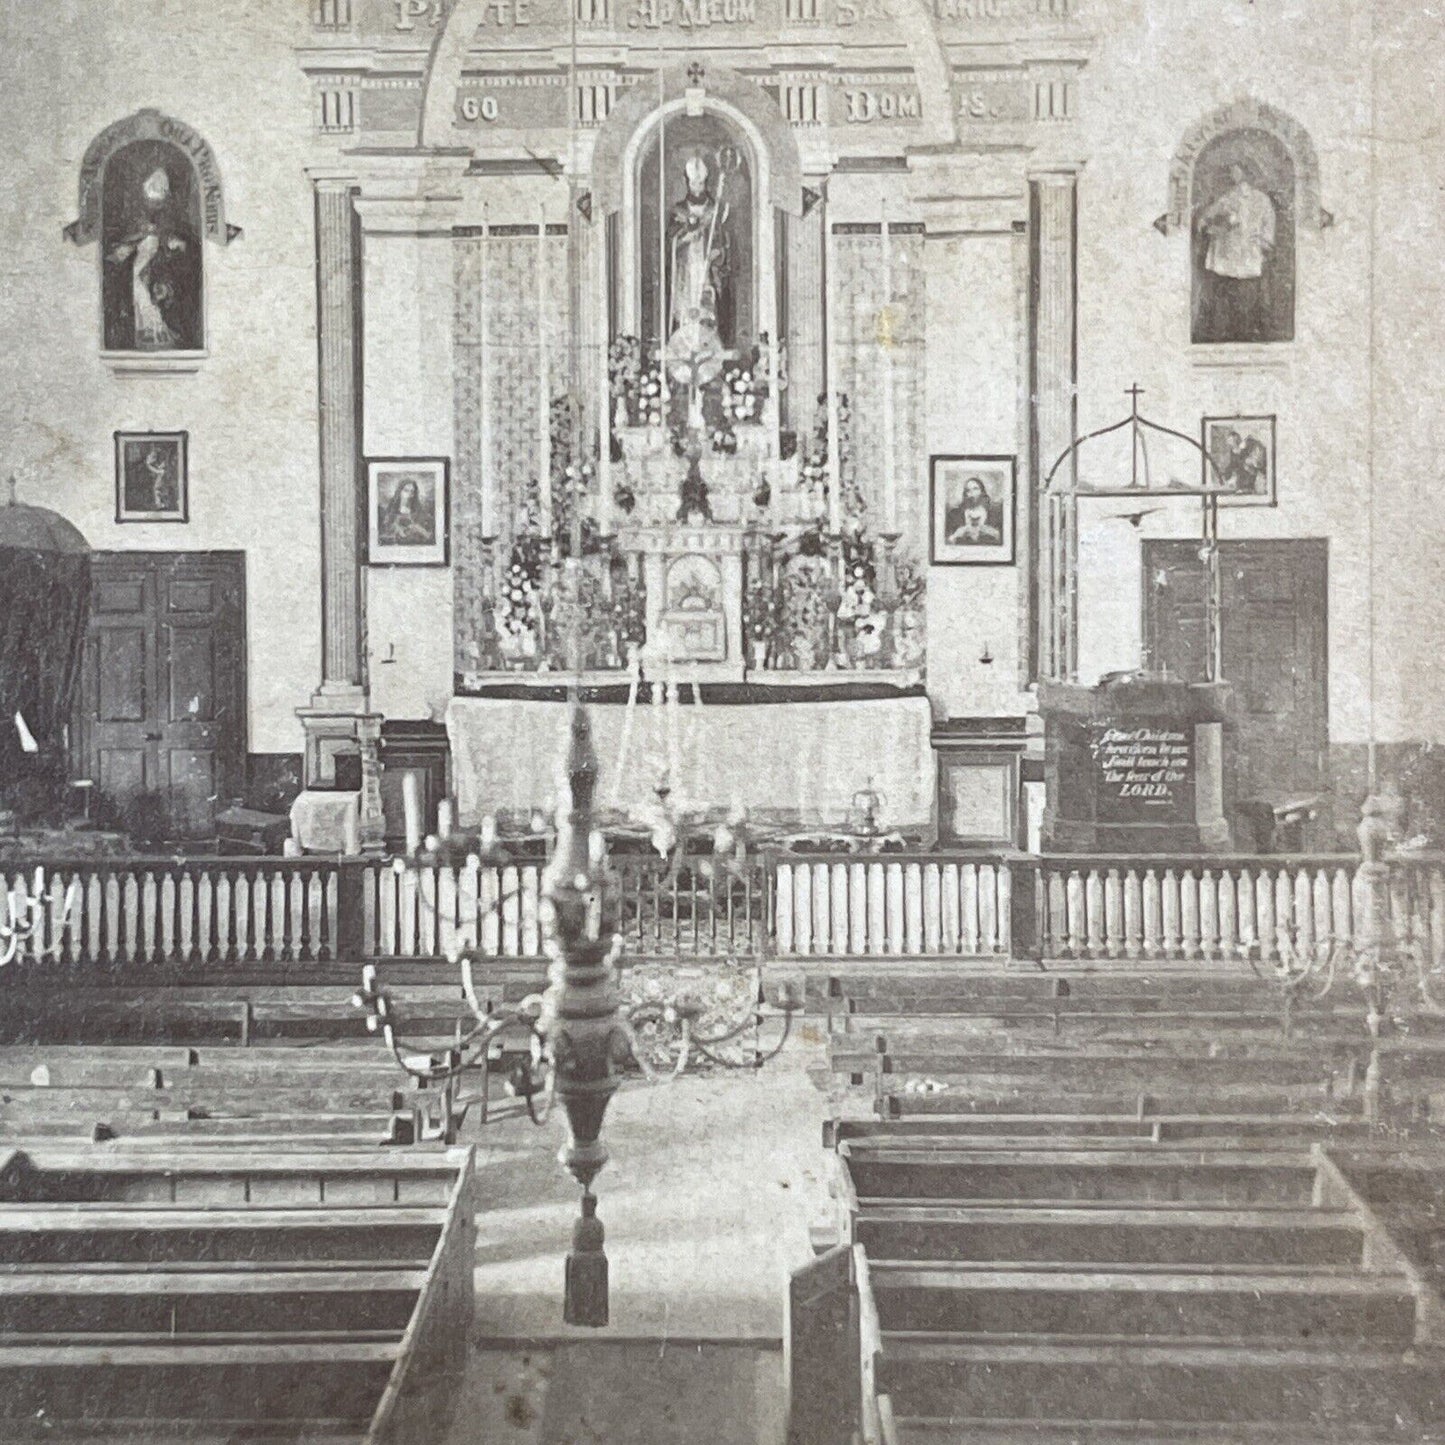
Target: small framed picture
(151, 483)
(407, 511)
(972, 504)
(1239, 459)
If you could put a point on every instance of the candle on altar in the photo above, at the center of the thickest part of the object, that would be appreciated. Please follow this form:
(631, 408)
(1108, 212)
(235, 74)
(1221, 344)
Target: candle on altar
(350, 831)
(484, 462)
(445, 818)
(888, 340)
(830, 365)
(604, 397)
(411, 809)
(544, 387)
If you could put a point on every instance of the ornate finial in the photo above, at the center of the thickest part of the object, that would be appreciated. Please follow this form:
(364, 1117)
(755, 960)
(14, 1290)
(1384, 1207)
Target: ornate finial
(695, 73)
(580, 1018)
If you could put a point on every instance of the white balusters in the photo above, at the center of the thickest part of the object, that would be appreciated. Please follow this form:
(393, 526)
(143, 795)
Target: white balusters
(803, 909)
(932, 909)
(786, 935)
(912, 907)
(950, 885)
(840, 909)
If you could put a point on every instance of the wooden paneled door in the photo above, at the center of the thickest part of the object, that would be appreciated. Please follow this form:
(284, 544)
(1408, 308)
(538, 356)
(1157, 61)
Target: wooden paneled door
(162, 726)
(1273, 601)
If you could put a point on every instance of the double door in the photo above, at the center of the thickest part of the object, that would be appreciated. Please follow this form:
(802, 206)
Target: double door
(1273, 605)
(161, 732)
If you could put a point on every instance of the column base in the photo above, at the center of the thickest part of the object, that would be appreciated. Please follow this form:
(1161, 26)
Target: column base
(342, 754)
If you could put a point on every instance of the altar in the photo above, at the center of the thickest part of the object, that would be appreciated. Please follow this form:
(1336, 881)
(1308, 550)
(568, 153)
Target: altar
(785, 762)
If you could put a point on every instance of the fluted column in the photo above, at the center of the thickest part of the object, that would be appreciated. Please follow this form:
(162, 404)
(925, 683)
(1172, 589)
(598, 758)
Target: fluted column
(1054, 362)
(805, 317)
(337, 268)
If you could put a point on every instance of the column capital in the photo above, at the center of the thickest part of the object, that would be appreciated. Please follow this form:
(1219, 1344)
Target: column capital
(332, 180)
(1045, 172)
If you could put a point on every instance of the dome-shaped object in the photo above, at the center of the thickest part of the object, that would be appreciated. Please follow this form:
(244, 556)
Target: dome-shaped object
(38, 529)
(44, 606)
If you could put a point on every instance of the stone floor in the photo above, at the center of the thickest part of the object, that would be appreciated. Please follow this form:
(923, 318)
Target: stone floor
(707, 1200)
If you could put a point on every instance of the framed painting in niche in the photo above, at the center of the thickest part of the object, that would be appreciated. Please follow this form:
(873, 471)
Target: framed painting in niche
(1239, 459)
(152, 483)
(407, 511)
(972, 505)
(1243, 202)
(151, 283)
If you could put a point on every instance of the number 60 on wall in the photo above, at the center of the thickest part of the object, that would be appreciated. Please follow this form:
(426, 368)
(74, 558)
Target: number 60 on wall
(479, 107)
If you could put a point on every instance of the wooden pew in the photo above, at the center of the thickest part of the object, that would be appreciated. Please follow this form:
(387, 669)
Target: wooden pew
(246, 1293)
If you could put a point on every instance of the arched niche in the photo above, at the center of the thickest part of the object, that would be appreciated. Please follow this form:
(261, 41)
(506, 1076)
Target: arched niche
(751, 165)
(150, 190)
(1243, 184)
(150, 125)
(1245, 115)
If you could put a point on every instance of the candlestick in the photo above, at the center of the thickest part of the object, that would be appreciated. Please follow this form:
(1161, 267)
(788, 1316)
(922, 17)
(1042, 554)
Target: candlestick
(411, 808)
(489, 528)
(830, 324)
(445, 818)
(350, 832)
(604, 387)
(544, 383)
(890, 481)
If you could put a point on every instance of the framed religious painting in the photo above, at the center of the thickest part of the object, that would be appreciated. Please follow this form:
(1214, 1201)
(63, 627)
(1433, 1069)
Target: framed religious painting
(1239, 459)
(151, 480)
(407, 511)
(972, 507)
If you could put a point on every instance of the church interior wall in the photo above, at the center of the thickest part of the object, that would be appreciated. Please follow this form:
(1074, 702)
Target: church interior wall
(1348, 428)
(408, 306)
(973, 359)
(226, 70)
(1145, 90)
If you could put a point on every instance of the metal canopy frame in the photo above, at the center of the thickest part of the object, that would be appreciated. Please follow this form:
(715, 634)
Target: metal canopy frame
(1142, 484)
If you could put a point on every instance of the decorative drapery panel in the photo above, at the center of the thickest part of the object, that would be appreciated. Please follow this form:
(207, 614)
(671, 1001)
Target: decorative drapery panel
(879, 300)
(511, 367)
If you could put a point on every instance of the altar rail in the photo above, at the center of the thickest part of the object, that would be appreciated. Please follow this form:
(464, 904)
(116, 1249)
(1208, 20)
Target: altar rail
(190, 913)
(896, 904)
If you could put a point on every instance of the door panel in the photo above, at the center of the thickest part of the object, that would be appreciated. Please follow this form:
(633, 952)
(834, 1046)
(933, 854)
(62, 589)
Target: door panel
(1273, 600)
(122, 662)
(162, 707)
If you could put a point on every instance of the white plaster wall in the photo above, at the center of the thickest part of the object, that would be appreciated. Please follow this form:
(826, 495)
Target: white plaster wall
(68, 69)
(973, 360)
(407, 378)
(1160, 67)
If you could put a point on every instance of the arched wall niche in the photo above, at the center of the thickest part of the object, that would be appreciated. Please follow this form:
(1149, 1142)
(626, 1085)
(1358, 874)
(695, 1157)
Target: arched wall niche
(779, 184)
(625, 179)
(1245, 115)
(150, 125)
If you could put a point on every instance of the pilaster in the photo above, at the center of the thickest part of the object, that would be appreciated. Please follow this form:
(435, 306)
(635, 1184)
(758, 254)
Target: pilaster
(1054, 367)
(805, 314)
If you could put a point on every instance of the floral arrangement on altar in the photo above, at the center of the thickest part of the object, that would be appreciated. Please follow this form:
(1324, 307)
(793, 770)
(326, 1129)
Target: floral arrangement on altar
(635, 381)
(760, 620)
(627, 615)
(862, 620)
(518, 606)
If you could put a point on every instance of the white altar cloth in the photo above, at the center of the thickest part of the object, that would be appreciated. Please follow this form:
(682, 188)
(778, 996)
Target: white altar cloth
(787, 759)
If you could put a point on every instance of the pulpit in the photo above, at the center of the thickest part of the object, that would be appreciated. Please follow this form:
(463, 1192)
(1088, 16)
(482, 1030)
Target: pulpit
(1136, 764)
